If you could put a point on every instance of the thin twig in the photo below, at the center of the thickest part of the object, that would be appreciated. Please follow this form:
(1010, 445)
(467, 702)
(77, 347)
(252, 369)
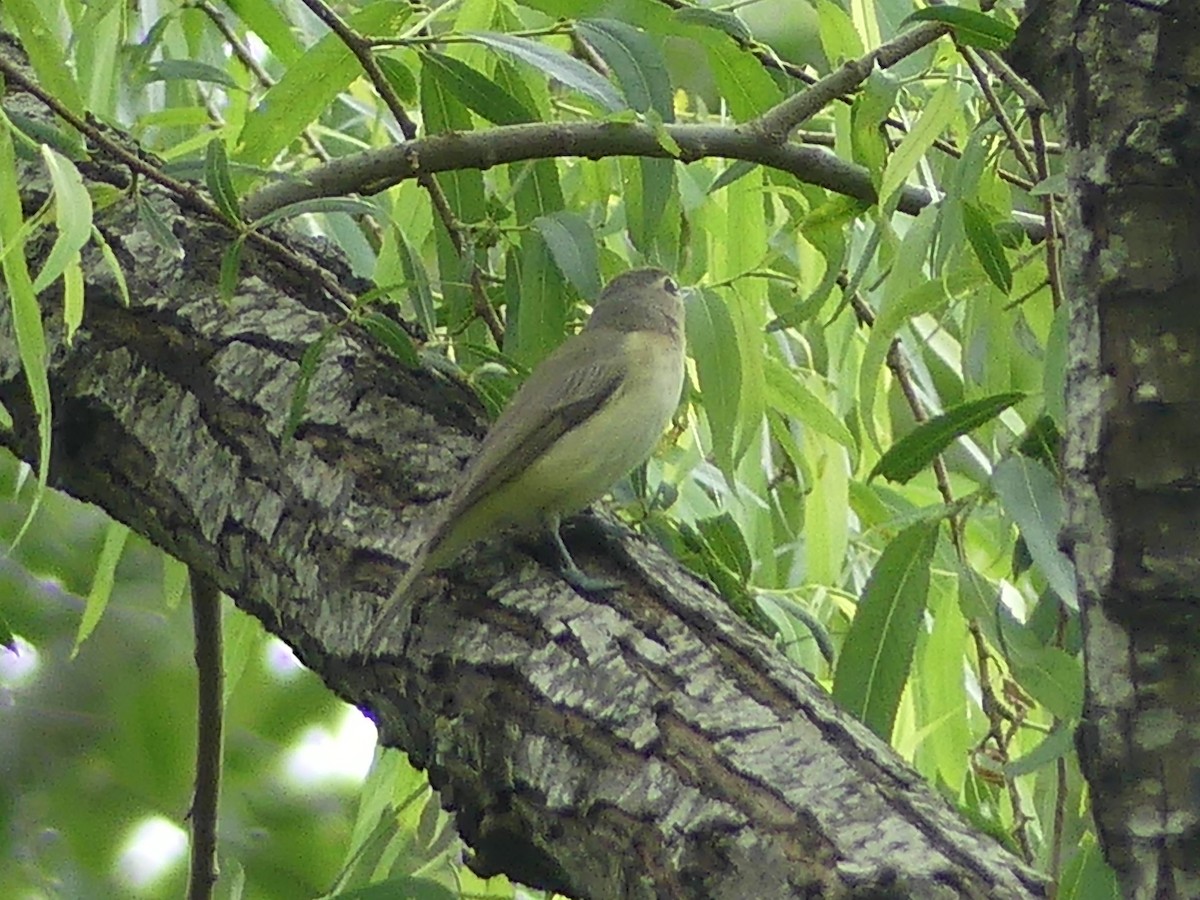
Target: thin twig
(187, 194)
(261, 75)
(206, 614)
(985, 86)
(780, 120)
(362, 50)
(1049, 215)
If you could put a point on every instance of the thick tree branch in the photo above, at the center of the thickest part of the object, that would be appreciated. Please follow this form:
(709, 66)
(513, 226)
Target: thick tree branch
(377, 170)
(643, 745)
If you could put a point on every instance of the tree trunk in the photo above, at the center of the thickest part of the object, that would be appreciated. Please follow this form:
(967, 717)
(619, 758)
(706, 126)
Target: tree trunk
(1126, 77)
(645, 745)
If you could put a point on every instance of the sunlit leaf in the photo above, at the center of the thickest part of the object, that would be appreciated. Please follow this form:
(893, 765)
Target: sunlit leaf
(40, 42)
(877, 653)
(72, 216)
(311, 84)
(26, 316)
(712, 343)
(115, 536)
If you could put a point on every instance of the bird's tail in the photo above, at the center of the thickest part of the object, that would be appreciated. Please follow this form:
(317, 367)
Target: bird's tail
(393, 607)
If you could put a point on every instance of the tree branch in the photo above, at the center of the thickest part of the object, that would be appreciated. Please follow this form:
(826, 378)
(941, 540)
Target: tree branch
(210, 679)
(377, 170)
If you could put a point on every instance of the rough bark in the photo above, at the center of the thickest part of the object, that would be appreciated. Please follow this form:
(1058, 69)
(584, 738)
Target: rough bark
(644, 745)
(1126, 79)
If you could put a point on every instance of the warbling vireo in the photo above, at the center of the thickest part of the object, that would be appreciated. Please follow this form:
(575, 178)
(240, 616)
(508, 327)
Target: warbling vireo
(587, 415)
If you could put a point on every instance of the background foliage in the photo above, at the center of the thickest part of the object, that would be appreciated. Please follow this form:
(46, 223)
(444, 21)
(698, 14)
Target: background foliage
(911, 567)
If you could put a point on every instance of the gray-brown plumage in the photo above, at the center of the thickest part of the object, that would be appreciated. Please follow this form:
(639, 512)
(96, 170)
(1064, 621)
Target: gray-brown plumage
(588, 414)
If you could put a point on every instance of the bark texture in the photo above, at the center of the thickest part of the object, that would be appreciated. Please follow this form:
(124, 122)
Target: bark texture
(648, 745)
(1127, 80)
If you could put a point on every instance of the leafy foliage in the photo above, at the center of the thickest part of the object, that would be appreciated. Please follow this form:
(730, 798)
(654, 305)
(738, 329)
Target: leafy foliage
(823, 330)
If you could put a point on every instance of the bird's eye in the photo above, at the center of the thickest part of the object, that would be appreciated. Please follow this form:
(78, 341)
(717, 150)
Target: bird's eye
(670, 286)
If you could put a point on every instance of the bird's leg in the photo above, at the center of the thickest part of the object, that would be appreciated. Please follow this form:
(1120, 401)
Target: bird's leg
(570, 572)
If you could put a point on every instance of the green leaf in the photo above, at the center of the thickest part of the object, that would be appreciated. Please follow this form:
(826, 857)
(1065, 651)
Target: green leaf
(110, 260)
(157, 227)
(268, 22)
(923, 298)
(218, 182)
(1057, 744)
(943, 106)
(918, 448)
(556, 64)
(73, 293)
(72, 216)
(726, 540)
(407, 886)
(975, 29)
(741, 79)
(635, 60)
(789, 395)
(693, 549)
(1054, 367)
(572, 243)
(391, 335)
(311, 84)
(174, 581)
(878, 650)
(727, 22)
(231, 264)
(243, 634)
(839, 37)
(739, 168)
(187, 70)
(7, 641)
(538, 304)
(1042, 441)
(419, 291)
(873, 104)
(712, 343)
(399, 76)
(102, 581)
(986, 244)
(310, 361)
(477, 92)
(465, 195)
(1054, 678)
(27, 316)
(40, 42)
(1031, 496)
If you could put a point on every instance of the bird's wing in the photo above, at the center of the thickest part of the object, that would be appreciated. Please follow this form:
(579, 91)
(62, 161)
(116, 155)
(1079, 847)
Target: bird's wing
(567, 388)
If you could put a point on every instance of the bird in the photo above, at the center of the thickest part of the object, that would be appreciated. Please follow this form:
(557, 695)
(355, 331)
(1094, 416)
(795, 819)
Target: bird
(588, 414)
